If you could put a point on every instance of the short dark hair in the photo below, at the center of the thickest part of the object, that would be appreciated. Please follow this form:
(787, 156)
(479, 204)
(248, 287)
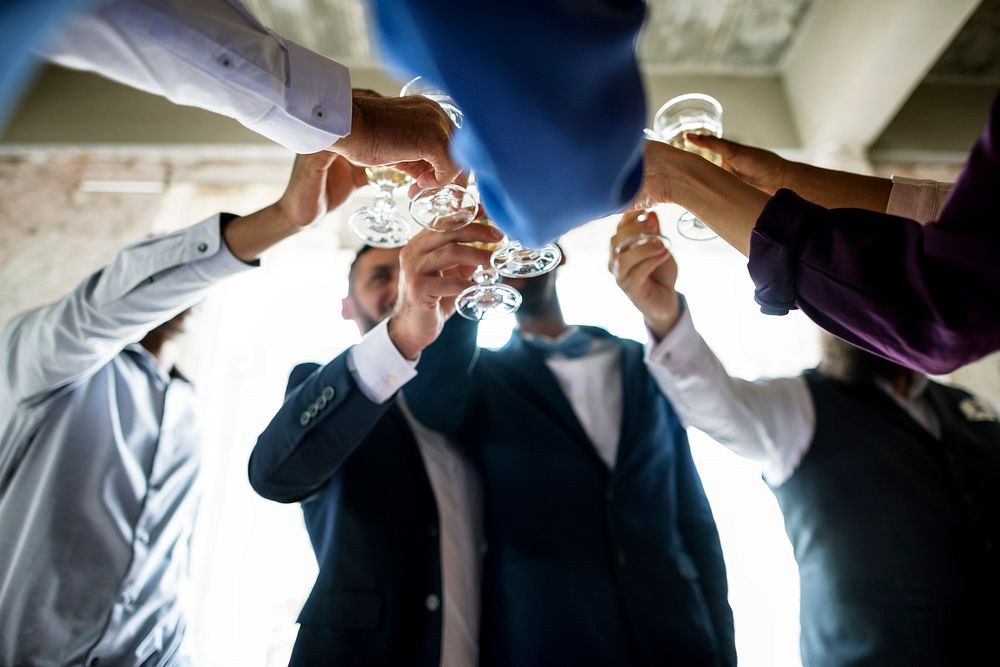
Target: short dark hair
(362, 251)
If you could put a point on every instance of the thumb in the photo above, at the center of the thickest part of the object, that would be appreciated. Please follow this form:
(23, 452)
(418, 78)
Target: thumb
(725, 148)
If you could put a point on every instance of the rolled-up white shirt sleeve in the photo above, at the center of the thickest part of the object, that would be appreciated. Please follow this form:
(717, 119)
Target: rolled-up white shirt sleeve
(378, 367)
(917, 199)
(770, 421)
(213, 54)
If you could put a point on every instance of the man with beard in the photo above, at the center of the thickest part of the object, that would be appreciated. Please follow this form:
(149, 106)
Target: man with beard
(602, 546)
(391, 507)
(889, 483)
(99, 443)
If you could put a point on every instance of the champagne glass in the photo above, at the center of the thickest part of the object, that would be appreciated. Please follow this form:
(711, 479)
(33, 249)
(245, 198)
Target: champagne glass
(380, 224)
(450, 206)
(488, 298)
(640, 239)
(699, 114)
(512, 260)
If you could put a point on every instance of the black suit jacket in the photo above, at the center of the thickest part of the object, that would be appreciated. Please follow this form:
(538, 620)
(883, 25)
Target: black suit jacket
(371, 516)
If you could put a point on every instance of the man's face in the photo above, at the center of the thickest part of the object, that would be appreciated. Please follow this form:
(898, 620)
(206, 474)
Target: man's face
(373, 287)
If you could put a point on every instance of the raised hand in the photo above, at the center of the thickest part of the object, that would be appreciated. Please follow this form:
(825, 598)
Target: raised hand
(411, 133)
(647, 273)
(319, 183)
(760, 168)
(433, 269)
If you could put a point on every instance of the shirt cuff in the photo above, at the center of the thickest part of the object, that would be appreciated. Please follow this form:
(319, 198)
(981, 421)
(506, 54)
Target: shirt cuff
(776, 243)
(917, 199)
(317, 105)
(679, 344)
(219, 261)
(378, 367)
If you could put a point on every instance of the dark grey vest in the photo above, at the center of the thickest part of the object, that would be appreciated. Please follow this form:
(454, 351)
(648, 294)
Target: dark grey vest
(896, 534)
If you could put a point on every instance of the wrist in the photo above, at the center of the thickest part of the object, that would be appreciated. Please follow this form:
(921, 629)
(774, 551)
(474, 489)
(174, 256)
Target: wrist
(405, 343)
(663, 322)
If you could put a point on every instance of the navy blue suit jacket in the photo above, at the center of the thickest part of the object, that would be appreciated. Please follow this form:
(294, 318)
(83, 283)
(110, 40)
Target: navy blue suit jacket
(371, 516)
(552, 96)
(585, 565)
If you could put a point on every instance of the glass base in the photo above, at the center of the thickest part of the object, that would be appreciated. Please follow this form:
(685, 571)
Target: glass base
(693, 229)
(512, 260)
(483, 302)
(444, 209)
(380, 229)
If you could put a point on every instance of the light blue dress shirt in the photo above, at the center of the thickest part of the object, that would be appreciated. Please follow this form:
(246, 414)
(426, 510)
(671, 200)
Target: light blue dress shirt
(99, 463)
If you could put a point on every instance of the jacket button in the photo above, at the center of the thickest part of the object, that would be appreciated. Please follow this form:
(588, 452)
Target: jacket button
(432, 531)
(304, 418)
(313, 410)
(609, 494)
(433, 602)
(621, 559)
(328, 393)
(320, 402)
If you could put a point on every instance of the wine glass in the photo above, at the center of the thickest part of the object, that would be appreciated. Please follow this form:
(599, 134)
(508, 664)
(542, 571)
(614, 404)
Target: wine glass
(640, 239)
(699, 114)
(513, 260)
(450, 206)
(489, 297)
(380, 224)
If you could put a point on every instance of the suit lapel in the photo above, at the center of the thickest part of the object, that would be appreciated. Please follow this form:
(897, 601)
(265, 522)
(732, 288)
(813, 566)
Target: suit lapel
(538, 384)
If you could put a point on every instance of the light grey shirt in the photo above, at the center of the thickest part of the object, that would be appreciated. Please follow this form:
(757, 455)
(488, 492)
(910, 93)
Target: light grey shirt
(99, 461)
(215, 55)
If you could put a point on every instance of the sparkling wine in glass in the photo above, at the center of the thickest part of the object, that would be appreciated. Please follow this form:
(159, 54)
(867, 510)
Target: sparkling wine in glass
(380, 225)
(699, 114)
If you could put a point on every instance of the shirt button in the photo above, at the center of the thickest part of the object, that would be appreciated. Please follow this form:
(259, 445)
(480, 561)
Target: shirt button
(433, 602)
(621, 559)
(319, 111)
(328, 393)
(142, 537)
(225, 61)
(128, 600)
(202, 247)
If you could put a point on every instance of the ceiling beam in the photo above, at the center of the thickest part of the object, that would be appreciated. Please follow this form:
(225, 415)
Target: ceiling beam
(855, 63)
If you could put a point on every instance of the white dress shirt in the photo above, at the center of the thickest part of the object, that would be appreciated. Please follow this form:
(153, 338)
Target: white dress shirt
(592, 385)
(771, 421)
(213, 54)
(99, 453)
(380, 371)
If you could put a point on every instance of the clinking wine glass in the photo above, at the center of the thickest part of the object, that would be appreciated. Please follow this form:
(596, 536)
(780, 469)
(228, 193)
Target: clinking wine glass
(447, 207)
(489, 297)
(452, 206)
(640, 239)
(699, 114)
(380, 224)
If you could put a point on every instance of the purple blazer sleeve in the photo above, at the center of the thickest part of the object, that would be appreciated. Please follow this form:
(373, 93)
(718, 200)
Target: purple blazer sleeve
(927, 297)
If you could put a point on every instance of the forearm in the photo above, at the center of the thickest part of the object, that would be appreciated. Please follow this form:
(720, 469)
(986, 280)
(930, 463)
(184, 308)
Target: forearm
(721, 200)
(835, 189)
(215, 55)
(320, 424)
(147, 284)
(249, 236)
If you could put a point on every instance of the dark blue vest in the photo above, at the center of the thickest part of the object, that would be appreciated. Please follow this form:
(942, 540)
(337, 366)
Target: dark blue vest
(895, 532)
